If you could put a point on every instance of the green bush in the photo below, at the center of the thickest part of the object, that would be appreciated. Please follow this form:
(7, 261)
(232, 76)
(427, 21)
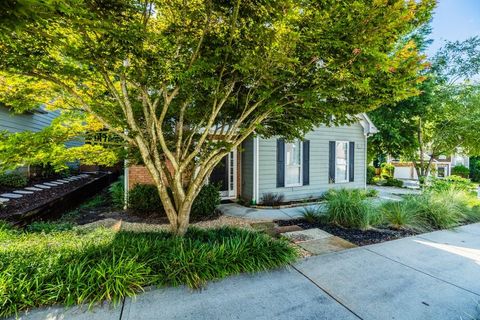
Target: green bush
(370, 174)
(90, 266)
(392, 182)
(475, 169)
(117, 193)
(461, 171)
(348, 208)
(205, 204)
(13, 180)
(451, 182)
(388, 170)
(144, 198)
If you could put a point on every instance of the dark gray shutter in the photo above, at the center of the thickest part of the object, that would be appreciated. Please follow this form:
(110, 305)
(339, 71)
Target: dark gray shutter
(280, 163)
(331, 162)
(306, 162)
(351, 162)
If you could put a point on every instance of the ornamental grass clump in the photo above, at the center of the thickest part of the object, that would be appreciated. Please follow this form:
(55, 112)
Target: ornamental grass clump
(89, 266)
(405, 214)
(350, 209)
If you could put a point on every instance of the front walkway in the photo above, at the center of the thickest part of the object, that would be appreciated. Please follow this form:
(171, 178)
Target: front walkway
(430, 276)
(239, 211)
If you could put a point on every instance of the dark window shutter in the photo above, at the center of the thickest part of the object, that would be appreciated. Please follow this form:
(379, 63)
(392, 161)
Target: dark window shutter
(306, 162)
(331, 162)
(351, 162)
(280, 163)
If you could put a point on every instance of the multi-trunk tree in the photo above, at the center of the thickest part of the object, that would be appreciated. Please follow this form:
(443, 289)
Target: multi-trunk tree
(185, 82)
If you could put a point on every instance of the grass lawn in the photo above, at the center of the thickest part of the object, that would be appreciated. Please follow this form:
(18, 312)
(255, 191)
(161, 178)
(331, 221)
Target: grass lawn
(45, 266)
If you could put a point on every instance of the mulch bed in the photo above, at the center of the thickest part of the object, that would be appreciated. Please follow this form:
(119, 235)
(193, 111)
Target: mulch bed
(358, 237)
(40, 197)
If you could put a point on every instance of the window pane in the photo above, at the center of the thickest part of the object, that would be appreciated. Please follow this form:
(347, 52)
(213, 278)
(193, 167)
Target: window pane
(293, 163)
(341, 174)
(292, 175)
(293, 153)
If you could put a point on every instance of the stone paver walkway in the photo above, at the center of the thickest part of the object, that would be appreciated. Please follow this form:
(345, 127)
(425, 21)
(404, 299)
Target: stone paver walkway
(239, 211)
(430, 276)
(17, 194)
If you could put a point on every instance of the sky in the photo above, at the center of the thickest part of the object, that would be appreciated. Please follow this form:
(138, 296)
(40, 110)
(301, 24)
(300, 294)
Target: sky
(454, 20)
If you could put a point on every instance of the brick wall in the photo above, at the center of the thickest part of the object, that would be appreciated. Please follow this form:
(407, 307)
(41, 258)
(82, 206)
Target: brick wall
(138, 175)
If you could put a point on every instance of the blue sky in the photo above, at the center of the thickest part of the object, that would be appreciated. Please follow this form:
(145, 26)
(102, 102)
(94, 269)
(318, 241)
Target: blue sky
(454, 20)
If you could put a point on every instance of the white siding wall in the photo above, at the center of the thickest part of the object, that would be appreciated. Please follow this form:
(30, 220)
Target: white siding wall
(319, 144)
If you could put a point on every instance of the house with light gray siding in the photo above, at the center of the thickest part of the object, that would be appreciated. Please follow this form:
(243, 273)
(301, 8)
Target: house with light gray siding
(327, 157)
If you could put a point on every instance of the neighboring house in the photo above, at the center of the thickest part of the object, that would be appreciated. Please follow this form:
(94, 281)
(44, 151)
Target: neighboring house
(29, 121)
(34, 121)
(441, 167)
(329, 157)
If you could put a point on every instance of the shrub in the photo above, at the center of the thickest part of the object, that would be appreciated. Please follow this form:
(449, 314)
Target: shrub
(205, 204)
(144, 198)
(349, 209)
(13, 180)
(370, 174)
(475, 169)
(117, 193)
(272, 199)
(388, 170)
(461, 171)
(451, 182)
(91, 266)
(444, 209)
(392, 182)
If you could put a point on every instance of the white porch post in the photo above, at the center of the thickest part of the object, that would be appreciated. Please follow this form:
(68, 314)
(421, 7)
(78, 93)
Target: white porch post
(255, 169)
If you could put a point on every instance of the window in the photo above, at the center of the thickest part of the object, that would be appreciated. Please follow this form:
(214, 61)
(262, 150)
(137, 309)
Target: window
(341, 161)
(293, 164)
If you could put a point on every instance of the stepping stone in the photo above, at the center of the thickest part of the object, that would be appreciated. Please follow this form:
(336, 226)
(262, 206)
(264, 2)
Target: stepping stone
(280, 230)
(42, 186)
(326, 245)
(51, 184)
(3, 200)
(23, 192)
(11, 195)
(307, 235)
(57, 182)
(64, 181)
(33, 189)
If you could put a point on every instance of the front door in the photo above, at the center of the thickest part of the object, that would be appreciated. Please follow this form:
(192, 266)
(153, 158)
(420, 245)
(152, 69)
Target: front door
(225, 176)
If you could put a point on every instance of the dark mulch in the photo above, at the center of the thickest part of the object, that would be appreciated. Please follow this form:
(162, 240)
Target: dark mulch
(358, 237)
(40, 197)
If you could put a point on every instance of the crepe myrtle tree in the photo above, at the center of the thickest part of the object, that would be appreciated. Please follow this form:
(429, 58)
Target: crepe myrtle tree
(185, 82)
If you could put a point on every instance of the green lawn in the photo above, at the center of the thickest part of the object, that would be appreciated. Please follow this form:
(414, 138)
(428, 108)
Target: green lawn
(46, 267)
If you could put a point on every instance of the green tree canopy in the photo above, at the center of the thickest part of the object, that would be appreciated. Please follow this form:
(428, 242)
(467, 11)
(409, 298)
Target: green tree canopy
(443, 119)
(167, 76)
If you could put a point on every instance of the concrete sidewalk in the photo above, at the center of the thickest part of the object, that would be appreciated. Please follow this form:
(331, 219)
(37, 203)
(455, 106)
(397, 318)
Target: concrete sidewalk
(431, 276)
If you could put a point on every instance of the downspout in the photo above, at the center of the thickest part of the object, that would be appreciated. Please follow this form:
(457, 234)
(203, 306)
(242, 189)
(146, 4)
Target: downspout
(255, 170)
(366, 159)
(125, 184)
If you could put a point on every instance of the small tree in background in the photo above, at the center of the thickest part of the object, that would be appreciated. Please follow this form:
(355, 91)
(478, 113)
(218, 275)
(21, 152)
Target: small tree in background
(167, 76)
(443, 119)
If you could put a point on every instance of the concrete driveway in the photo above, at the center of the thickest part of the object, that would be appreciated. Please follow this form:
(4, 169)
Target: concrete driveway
(432, 276)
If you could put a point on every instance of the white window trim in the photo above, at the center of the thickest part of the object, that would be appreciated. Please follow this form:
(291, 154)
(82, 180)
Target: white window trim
(301, 165)
(348, 162)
